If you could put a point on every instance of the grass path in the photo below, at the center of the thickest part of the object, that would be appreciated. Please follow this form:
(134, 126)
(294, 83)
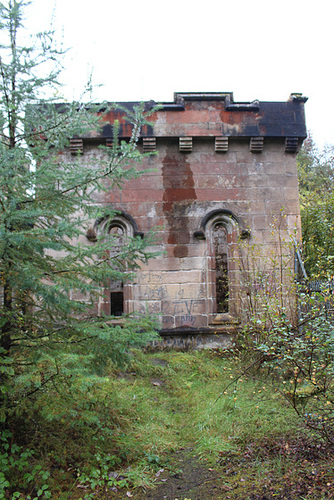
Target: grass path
(173, 425)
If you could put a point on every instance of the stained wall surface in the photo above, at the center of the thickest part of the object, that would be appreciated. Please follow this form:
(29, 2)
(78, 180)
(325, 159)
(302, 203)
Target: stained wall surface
(223, 177)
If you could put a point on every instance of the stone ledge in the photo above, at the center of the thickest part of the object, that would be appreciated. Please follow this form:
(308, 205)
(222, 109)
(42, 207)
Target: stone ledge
(225, 319)
(193, 340)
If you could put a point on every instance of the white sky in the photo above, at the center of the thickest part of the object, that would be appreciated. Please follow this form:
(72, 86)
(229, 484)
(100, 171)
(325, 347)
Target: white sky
(148, 49)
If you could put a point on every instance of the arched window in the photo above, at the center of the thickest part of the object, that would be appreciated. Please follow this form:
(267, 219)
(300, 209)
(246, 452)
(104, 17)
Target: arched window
(221, 230)
(117, 233)
(219, 235)
(116, 230)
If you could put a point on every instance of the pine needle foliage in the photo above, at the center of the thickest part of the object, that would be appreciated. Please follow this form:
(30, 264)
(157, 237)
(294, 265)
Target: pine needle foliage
(45, 209)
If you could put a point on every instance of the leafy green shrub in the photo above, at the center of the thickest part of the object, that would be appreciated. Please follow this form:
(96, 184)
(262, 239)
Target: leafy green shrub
(100, 476)
(19, 472)
(288, 333)
(302, 360)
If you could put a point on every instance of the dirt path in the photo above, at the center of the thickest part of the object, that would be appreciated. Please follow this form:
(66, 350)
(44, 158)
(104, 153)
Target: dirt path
(188, 478)
(185, 478)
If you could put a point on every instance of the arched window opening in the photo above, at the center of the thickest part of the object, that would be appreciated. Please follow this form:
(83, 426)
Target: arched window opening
(116, 236)
(220, 228)
(221, 268)
(116, 296)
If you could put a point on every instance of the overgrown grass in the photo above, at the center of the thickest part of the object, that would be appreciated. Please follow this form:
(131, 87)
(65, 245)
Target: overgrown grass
(117, 430)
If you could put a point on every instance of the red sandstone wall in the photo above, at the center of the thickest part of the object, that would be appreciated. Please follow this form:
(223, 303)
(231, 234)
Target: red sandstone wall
(175, 197)
(182, 188)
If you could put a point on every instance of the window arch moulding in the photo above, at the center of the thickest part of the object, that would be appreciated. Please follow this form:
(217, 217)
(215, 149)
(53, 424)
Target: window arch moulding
(123, 219)
(226, 215)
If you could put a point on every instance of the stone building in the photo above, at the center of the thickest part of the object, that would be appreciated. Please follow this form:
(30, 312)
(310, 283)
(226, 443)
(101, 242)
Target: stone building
(223, 173)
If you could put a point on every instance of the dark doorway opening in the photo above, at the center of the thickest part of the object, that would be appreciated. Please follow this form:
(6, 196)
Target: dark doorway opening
(116, 303)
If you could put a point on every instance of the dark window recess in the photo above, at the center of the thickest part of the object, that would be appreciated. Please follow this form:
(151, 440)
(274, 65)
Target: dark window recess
(116, 304)
(222, 283)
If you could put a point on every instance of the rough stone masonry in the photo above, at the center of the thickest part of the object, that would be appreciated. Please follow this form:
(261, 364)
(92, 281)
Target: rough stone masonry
(224, 175)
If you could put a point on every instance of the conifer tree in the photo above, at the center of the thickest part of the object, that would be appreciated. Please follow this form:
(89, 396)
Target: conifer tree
(45, 207)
